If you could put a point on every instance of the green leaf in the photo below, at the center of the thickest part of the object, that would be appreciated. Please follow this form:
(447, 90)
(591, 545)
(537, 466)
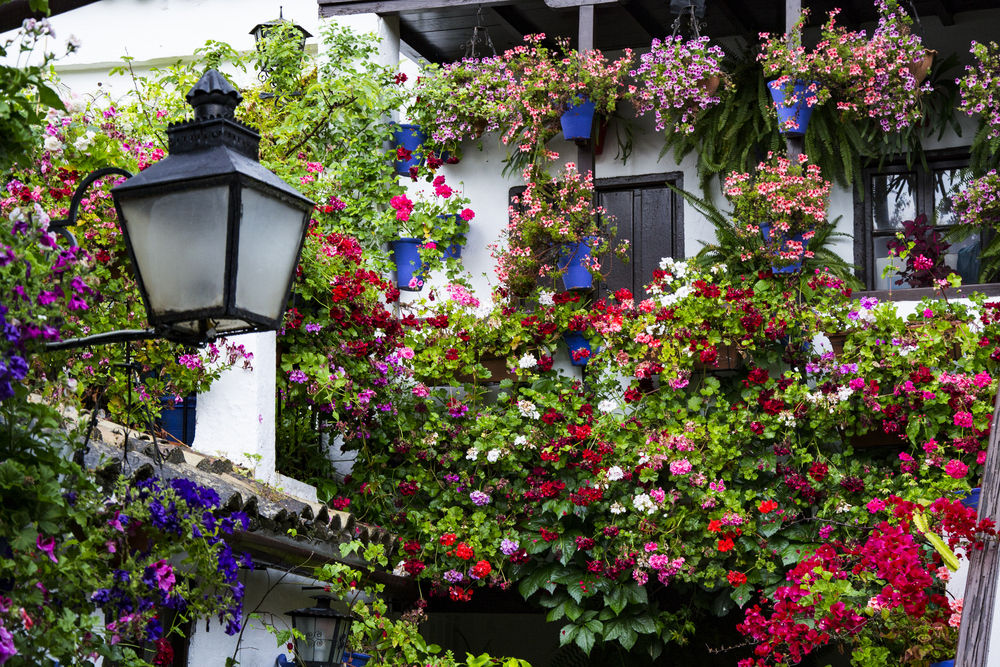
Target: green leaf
(49, 97)
(585, 640)
(568, 633)
(741, 594)
(644, 624)
(616, 599)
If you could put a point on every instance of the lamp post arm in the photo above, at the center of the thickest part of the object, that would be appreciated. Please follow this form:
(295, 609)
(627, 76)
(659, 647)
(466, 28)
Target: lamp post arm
(121, 336)
(61, 226)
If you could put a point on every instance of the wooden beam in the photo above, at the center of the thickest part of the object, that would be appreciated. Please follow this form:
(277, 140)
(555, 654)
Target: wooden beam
(645, 20)
(514, 30)
(984, 566)
(328, 8)
(510, 15)
(566, 4)
(741, 16)
(419, 43)
(13, 12)
(946, 12)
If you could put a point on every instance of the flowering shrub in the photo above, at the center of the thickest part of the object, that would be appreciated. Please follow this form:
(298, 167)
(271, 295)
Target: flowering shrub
(145, 557)
(791, 198)
(678, 79)
(980, 85)
(885, 593)
(864, 76)
(657, 479)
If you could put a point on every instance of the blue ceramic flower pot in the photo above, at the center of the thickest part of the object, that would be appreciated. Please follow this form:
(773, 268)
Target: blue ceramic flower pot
(577, 120)
(454, 249)
(572, 262)
(765, 230)
(972, 500)
(576, 342)
(356, 659)
(798, 113)
(406, 254)
(409, 137)
(943, 663)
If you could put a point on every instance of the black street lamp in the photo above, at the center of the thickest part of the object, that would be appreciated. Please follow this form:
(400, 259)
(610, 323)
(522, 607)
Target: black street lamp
(325, 632)
(261, 31)
(213, 235)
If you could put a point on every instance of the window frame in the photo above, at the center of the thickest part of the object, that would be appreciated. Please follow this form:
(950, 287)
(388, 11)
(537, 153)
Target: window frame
(923, 170)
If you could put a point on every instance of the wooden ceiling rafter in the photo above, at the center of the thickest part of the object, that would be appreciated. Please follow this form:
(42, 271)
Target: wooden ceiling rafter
(419, 43)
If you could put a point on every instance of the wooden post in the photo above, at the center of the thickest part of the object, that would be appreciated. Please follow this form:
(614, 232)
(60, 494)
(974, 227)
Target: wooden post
(585, 42)
(793, 8)
(984, 566)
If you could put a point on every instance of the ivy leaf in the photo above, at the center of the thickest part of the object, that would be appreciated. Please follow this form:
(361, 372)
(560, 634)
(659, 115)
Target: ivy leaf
(741, 595)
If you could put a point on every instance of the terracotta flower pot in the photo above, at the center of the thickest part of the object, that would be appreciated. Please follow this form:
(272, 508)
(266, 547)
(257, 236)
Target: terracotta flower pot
(920, 68)
(710, 84)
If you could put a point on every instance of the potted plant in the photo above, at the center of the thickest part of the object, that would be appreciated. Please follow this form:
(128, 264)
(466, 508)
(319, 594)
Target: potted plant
(678, 79)
(542, 83)
(864, 76)
(924, 249)
(784, 202)
(554, 228)
(459, 101)
(432, 228)
(407, 140)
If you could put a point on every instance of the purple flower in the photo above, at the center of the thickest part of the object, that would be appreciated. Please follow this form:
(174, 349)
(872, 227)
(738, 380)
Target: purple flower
(7, 648)
(313, 328)
(479, 498)
(868, 302)
(48, 546)
(297, 376)
(453, 576)
(509, 547)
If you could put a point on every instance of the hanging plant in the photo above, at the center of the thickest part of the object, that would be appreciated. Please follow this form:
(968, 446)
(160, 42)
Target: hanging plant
(678, 79)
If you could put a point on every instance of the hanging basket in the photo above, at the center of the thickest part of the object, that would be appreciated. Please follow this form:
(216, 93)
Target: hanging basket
(793, 120)
(922, 67)
(578, 120)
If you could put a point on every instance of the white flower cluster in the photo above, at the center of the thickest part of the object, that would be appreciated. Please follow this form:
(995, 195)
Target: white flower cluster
(528, 409)
(615, 473)
(494, 455)
(527, 361)
(607, 405)
(472, 454)
(643, 503)
(546, 298)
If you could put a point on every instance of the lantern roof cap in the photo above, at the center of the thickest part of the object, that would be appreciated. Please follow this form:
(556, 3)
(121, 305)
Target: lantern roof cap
(213, 96)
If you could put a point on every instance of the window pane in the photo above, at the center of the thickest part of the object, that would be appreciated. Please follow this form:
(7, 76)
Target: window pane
(893, 200)
(946, 183)
(883, 261)
(963, 257)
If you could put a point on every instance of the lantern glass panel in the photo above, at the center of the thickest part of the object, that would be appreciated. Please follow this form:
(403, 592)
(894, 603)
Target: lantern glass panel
(179, 241)
(319, 634)
(269, 248)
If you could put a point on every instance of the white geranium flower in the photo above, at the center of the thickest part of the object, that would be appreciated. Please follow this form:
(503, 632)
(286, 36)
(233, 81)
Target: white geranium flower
(493, 455)
(83, 143)
(546, 298)
(520, 441)
(617, 508)
(52, 144)
(607, 405)
(472, 454)
(528, 409)
(643, 503)
(615, 473)
(527, 361)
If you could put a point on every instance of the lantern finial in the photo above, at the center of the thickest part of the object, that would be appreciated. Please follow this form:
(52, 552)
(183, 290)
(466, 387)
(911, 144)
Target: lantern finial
(213, 96)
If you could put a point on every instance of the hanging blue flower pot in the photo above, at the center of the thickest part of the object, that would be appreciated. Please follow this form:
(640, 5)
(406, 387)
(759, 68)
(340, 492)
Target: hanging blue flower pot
(572, 261)
(972, 500)
(765, 230)
(356, 659)
(792, 120)
(453, 250)
(943, 663)
(577, 120)
(577, 343)
(409, 267)
(409, 138)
